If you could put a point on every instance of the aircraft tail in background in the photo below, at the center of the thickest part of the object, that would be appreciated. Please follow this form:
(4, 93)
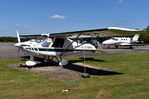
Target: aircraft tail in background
(135, 38)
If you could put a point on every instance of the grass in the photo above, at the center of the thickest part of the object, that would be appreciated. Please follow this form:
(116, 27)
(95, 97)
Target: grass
(131, 84)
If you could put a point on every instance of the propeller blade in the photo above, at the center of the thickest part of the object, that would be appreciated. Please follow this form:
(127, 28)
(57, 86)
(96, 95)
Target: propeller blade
(18, 52)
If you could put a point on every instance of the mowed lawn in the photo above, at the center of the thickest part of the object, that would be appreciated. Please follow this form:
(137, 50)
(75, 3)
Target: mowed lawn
(132, 82)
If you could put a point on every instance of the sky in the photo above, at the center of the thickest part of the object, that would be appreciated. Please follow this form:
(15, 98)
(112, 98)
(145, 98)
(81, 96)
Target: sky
(53, 16)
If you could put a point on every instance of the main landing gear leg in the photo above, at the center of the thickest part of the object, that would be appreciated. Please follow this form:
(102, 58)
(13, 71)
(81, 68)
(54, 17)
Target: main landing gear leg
(60, 61)
(131, 47)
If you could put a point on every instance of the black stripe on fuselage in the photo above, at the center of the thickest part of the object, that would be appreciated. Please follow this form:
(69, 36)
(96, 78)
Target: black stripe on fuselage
(54, 50)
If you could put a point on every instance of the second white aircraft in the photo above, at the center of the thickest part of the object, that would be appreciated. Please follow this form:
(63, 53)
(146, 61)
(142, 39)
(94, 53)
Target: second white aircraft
(121, 41)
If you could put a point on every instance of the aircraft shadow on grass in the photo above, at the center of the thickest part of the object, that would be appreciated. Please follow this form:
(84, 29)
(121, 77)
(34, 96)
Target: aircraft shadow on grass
(79, 68)
(89, 70)
(81, 59)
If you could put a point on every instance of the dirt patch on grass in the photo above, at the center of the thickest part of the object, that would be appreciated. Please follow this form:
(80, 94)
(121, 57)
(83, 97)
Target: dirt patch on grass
(55, 72)
(73, 71)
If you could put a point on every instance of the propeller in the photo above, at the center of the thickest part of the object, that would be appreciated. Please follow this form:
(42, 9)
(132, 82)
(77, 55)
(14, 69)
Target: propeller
(18, 53)
(18, 44)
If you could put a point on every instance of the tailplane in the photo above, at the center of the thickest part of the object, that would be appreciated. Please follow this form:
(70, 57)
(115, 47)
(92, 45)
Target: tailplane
(135, 38)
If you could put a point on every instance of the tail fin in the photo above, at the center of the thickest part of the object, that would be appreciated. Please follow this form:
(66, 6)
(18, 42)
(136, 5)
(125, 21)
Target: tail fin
(135, 38)
(94, 41)
(18, 36)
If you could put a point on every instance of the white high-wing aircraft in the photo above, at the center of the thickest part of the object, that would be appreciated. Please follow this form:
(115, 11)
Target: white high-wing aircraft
(121, 41)
(55, 45)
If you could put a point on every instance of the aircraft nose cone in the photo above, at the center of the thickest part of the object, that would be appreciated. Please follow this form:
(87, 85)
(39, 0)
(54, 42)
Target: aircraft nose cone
(104, 42)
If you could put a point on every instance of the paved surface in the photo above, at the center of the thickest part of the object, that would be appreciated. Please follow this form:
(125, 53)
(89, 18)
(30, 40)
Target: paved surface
(8, 51)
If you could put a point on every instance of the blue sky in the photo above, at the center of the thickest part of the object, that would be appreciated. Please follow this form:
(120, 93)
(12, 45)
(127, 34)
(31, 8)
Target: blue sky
(48, 16)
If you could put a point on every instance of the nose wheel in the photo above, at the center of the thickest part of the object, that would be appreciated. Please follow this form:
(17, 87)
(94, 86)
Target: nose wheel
(131, 47)
(116, 46)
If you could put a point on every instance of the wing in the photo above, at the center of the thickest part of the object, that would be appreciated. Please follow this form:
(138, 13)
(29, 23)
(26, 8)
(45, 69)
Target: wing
(104, 32)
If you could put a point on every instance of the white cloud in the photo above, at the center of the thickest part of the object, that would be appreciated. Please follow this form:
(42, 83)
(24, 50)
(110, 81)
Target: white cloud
(56, 16)
(20, 25)
(120, 1)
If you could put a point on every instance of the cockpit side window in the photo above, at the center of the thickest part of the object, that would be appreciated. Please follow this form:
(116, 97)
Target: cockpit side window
(114, 39)
(59, 42)
(41, 38)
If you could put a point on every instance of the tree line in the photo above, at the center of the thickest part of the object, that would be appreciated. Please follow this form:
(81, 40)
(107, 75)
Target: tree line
(144, 38)
(8, 39)
(11, 39)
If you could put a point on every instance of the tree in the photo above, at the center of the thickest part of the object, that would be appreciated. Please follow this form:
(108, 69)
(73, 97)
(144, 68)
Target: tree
(147, 28)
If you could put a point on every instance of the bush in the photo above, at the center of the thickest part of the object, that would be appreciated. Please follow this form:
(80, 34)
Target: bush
(144, 37)
(8, 39)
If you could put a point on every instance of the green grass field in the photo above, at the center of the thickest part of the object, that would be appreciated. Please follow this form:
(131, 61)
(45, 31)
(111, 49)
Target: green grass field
(133, 83)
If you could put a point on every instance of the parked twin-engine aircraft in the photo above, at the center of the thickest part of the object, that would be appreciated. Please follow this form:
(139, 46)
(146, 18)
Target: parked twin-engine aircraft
(55, 45)
(121, 41)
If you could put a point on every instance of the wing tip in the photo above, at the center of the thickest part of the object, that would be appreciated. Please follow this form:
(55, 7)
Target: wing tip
(123, 29)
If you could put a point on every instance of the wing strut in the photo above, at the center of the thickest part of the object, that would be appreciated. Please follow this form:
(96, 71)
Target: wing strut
(65, 50)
